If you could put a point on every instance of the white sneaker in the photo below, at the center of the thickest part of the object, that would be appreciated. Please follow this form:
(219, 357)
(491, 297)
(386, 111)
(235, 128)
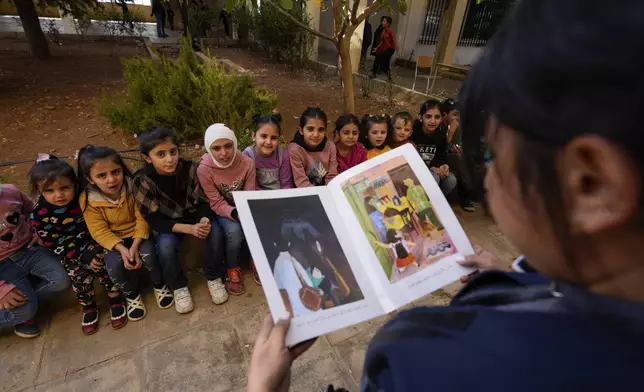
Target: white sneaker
(218, 292)
(183, 300)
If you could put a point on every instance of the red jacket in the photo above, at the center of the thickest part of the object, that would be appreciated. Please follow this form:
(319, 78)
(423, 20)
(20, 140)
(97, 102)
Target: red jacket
(387, 40)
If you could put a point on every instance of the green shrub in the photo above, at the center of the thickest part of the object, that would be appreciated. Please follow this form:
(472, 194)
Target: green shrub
(201, 21)
(186, 97)
(280, 37)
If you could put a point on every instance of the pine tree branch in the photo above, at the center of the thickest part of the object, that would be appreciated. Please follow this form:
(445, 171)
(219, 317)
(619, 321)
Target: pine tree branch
(298, 23)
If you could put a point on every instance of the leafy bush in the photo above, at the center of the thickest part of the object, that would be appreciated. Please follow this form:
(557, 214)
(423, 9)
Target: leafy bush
(201, 21)
(281, 37)
(186, 97)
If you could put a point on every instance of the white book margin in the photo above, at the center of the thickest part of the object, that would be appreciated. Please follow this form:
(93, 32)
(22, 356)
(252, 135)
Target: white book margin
(324, 321)
(431, 278)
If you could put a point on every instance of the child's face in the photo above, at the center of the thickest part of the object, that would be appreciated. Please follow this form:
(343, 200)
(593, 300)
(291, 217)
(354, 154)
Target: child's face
(402, 130)
(313, 132)
(377, 134)
(59, 193)
(265, 139)
(431, 119)
(164, 158)
(223, 150)
(451, 116)
(108, 177)
(348, 135)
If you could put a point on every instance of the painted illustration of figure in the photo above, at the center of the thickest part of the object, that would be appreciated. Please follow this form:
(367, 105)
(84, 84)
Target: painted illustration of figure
(291, 277)
(377, 219)
(401, 249)
(420, 203)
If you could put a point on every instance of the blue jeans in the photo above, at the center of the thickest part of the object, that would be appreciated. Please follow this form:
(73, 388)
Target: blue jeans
(446, 184)
(168, 247)
(160, 18)
(234, 240)
(38, 274)
(127, 280)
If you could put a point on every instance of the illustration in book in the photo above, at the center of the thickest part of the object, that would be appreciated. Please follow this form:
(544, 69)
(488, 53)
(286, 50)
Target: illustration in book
(308, 263)
(397, 216)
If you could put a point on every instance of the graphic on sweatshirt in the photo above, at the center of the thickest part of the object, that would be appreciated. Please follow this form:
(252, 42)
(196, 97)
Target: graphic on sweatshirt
(427, 152)
(10, 224)
(227, 190)
(316, 173)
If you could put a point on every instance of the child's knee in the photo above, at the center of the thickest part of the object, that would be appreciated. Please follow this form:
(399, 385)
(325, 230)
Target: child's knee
(167, 245)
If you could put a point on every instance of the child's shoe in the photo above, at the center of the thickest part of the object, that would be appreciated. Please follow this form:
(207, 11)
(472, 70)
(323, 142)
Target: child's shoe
(29, 329)
(234, 281)
(217, 291)
(135, 308)
(90, 321)
(164, 297)
(183, 300)
(255, 274)
(118, 313)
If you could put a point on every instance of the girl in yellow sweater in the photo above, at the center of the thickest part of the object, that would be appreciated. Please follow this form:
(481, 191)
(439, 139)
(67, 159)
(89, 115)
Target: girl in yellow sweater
(116, 224)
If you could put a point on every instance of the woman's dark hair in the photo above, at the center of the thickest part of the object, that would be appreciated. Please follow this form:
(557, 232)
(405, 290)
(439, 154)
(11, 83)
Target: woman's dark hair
(430, 104)
(553, 86)
(406, 116)
(312, 113)
(274, 119)
(154, 136)
(87, 157)
(344, 120)
(392, 236)
(47, 171)
(388, 18)
(368, 121)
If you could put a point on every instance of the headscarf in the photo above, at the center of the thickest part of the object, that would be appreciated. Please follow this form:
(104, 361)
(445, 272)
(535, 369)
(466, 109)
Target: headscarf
(215, 132)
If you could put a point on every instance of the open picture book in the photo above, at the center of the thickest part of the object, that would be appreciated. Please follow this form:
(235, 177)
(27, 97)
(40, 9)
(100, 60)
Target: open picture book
(377, 237)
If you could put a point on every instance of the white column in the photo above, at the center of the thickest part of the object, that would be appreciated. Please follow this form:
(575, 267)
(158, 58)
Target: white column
(67, 22)
(356, 38)
(313, 9)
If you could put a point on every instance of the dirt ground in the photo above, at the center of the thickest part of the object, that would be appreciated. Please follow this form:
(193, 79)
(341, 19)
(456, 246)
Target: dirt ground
(52, 106)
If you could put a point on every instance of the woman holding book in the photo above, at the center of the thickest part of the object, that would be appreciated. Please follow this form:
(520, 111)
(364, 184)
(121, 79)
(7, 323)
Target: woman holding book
(566, 187)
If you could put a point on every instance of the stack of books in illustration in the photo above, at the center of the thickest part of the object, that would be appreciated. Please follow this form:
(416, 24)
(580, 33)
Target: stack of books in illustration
(377, 237)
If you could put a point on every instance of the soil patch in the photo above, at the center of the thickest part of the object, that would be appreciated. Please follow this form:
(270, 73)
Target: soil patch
(51, 106)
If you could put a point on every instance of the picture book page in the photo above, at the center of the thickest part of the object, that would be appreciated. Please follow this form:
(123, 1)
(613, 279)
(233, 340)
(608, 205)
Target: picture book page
(402, 227)
(306, 261)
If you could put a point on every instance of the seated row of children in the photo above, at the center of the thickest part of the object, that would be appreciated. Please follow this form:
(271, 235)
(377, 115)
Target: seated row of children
(105, 222)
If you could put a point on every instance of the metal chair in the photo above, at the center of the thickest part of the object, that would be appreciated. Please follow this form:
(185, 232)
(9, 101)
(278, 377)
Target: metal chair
(423, 62)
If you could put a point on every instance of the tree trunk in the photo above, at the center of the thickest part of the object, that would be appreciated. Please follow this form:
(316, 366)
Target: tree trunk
(347, 75)
(33, 32)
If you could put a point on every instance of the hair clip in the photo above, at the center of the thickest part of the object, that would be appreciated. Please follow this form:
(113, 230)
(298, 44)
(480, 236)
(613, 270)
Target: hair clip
(42, 157)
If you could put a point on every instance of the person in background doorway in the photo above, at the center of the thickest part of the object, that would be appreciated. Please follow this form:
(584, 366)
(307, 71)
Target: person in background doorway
(385, 48)
(455, 157)
(224, 18)
(366, 42)
(159, 14)
(170, 13)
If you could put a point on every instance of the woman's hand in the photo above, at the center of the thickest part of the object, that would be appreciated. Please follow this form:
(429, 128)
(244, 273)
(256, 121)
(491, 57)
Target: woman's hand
(270, 364)
(481, 260)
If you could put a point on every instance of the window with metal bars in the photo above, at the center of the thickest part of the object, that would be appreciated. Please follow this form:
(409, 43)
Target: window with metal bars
(480, 22)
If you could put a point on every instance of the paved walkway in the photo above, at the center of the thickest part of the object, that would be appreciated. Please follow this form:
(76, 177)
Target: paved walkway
(402, 76)
(206, 350)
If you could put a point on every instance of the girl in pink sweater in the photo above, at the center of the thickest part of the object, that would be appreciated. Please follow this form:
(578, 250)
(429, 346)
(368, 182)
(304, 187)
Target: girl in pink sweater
(222, 171)
(350, 151)
(313, 156)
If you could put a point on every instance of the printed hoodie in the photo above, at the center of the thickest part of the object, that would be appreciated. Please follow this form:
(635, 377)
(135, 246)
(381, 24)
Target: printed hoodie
(218, 183)
(112, 221)
(15, 231)
(312, 167)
